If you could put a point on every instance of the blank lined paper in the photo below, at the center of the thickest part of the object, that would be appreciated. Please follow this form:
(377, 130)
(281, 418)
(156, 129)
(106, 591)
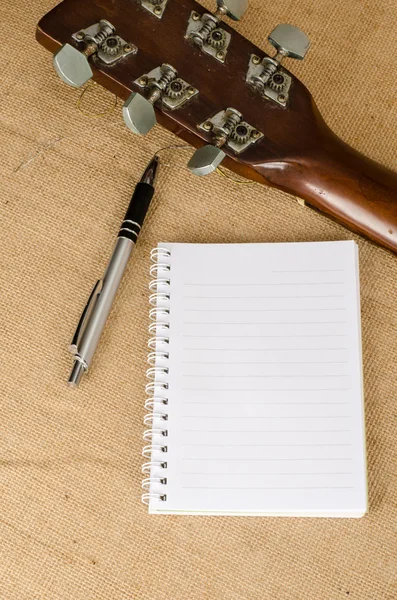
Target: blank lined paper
(265, 400)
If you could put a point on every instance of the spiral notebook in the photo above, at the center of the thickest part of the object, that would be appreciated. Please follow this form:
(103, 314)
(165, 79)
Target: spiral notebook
(255, 392)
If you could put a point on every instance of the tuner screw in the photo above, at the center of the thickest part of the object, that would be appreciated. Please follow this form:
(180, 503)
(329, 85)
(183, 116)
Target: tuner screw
(282, 98)
(207, 126)
(175, 89)
(157, 10)
(126, 48)
(217, 38)
(80, 35)
(191, 91)
(241, 134)
(195, 16)
(277, 82)
(256, 134)
(256, 60)
(220, 55)
(143, 81)
(111, 45)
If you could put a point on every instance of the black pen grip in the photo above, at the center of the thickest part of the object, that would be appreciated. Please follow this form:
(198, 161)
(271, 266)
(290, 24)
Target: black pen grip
(136, 212)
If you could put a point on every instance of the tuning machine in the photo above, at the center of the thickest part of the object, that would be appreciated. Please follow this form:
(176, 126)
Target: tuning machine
(99, 39)
(162, 84)
(204, 30)
(265, 75)
(228, 129)
(156, 7)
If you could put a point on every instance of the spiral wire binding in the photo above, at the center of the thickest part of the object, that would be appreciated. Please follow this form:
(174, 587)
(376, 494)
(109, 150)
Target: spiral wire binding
(154, 484)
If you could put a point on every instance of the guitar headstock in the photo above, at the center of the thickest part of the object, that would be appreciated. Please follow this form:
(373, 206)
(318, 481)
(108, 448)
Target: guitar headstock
(178, 64)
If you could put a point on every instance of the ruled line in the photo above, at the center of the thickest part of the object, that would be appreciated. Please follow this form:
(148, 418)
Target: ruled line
(267, 459)
(281, 376)
(266, 390)
(260, 310)
(240, 418)
(309, 271)
(268, 445)
(238, 431)
(264, 284)
(282, 418)
(266, 336)
(243, 403)
(266, 362)
(266, 323)
(262, 349)
(264, 473)
(261, 297)
(327, 487)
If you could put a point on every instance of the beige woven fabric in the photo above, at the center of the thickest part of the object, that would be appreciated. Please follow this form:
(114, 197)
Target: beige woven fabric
(71, 522)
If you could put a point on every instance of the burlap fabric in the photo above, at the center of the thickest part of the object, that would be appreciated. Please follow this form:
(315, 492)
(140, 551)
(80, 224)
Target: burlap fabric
(71, 522)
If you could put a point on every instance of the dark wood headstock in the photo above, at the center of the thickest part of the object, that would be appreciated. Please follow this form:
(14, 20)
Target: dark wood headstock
(297, 153)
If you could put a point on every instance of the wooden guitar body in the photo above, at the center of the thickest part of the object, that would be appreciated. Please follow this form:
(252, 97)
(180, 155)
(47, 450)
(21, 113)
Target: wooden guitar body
(298, 153)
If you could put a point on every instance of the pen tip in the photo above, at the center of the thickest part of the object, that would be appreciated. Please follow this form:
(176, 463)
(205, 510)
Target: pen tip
(149, 175)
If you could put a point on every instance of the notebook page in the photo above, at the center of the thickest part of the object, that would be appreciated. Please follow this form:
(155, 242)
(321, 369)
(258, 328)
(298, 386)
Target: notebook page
(265, 410)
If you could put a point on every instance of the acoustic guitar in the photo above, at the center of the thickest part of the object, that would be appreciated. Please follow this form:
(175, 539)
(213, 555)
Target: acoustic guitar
(176, 63)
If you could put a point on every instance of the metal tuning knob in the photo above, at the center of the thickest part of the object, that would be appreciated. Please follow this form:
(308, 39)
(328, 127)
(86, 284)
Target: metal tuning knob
(205, 32)
(228, 129)
(289, 41)
(99, 39)
(162, 84)
(265, 75)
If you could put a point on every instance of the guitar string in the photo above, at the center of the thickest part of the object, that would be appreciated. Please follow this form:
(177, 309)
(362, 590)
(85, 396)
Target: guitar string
(91, 84)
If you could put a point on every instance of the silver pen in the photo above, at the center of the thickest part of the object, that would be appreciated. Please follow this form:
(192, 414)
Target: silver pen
(98, 307)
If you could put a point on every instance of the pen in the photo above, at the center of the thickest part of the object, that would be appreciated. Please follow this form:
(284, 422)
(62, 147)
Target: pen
(97, 309)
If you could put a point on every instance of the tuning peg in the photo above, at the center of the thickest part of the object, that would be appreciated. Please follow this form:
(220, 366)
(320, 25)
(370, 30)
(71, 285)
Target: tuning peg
(234, 9)
(163, 84)
(205, 31)
(289, 41)
(72, 66)
(138, 114)
(227, 128)
(206, 160)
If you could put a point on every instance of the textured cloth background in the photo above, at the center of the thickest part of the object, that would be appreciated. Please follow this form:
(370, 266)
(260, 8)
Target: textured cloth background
(71, 522)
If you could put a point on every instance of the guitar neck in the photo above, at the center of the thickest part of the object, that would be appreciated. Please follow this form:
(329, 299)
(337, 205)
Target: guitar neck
(337, 180)
(297, 152)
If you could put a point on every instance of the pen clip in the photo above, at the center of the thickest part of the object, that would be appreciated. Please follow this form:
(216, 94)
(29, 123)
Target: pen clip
(74, 346)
